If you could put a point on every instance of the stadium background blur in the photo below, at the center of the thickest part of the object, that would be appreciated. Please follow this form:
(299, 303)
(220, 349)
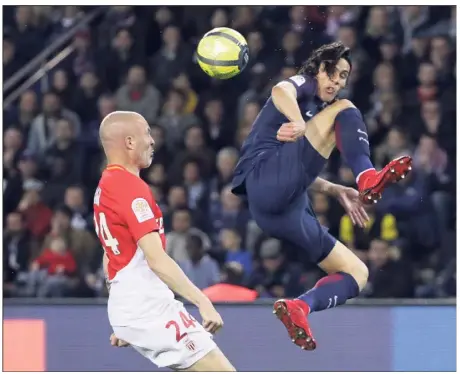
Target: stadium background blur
(142, 59)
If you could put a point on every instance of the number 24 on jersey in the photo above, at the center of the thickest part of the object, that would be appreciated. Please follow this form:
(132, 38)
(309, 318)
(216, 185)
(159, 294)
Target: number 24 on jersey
(102, 230)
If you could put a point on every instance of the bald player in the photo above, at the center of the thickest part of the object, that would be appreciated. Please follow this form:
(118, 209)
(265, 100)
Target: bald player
(142, 310)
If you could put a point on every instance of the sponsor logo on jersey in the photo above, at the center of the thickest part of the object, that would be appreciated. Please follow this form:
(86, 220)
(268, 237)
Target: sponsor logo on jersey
(97, 196)
(142, 210)
(298, 80)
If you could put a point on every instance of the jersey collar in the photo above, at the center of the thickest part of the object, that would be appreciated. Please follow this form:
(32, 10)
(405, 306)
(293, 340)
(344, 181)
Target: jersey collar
(115, 167)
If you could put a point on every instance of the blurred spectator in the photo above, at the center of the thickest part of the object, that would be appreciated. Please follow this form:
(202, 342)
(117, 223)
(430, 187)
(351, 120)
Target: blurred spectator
(105, 105)
(173, 58)
(228, 213)
(230, 242)
(201, 269)
(42, 132)
(36, 214)
(83, 58)
(388, 276)
(396, 145)
(74, 198)
(409, 202)
(275, 277)
(226, 162)
(27, 36)
(120, 17)
(17, 251)
(176, 239)
(196, 149)
(243, 19)
(23, 116)
(218, 129)
(13, 144)
(18, 180)
(67, 149)
(11, 61)
(162, 153)
(85, 99)
(81, 243)
(69, 16)
(61, 86)
(196, 185)
(182, 83)
(176, 199)
(174, 119)
(380, 226)
(121, 55)
(338, 15)
(51, 271)
(139, 96)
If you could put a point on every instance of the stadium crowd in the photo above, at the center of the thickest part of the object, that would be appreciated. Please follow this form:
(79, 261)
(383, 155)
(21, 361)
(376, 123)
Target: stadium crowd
(142, 59)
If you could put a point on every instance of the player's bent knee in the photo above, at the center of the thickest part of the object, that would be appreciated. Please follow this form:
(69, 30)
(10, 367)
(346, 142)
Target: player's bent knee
(344, 104)
(360, 273)
(342, 259)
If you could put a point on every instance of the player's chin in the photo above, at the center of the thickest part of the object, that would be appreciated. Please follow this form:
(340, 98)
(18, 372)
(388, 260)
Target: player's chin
(328, 97)
(147, 161)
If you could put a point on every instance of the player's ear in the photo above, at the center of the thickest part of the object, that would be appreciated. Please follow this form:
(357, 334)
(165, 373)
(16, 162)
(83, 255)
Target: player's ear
(322, 68)
(129, 142)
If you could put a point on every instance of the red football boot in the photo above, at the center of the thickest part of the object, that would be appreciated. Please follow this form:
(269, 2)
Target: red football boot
(293, 314)
(371, 183)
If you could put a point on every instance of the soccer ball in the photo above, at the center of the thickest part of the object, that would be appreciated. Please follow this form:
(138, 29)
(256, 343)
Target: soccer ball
(222, 53)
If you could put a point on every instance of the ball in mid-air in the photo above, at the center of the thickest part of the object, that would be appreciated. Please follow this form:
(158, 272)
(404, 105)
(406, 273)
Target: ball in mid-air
(222, 53)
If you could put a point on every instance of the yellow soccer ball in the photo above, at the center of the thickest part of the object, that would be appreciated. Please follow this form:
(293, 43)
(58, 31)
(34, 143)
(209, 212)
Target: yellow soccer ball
(222, 53)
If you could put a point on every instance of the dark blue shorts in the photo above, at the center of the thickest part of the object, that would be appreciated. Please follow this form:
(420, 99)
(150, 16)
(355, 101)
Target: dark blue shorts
(278, 201)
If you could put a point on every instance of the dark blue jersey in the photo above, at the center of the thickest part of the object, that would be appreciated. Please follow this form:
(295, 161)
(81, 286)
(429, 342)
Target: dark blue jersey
(262, 141)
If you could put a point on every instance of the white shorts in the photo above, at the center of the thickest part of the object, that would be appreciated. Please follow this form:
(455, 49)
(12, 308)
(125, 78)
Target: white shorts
(171, 339)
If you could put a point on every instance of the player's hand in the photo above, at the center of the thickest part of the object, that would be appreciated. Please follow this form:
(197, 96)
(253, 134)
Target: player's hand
(212, 321)
(115, 342)
(291, 131)
(349, 199)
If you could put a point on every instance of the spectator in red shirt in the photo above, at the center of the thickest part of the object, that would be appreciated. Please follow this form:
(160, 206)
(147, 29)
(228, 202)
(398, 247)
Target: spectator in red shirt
(57, 259)
(51, 273)
(36, 213)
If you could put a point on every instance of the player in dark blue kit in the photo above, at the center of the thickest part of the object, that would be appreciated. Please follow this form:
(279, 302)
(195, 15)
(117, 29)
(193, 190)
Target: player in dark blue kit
(288, 146)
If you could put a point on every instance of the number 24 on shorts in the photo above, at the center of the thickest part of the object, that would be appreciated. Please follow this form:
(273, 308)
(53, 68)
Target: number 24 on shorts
(187, 321)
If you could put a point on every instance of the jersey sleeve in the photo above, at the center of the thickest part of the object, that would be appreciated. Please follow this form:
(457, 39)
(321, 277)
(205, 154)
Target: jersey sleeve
(137, 211)
(305, 86)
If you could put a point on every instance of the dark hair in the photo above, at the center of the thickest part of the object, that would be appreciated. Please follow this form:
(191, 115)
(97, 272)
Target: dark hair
(64, 209)
(330, 54)
(195, 240)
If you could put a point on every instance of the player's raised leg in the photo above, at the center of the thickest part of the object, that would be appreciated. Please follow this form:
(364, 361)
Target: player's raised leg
(341, 124)
(213, 361)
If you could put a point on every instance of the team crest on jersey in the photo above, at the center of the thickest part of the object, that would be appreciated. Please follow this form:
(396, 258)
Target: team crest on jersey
(190, 345)
(142, 210)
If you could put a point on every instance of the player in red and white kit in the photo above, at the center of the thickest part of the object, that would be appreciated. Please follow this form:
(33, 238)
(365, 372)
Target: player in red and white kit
(142, 310)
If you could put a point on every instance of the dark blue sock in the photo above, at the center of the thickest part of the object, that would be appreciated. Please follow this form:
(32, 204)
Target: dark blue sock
(331, 291)
(352, 140)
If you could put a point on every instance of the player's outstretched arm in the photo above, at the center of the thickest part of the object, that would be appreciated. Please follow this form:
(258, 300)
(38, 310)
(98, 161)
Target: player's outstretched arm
(324, 186)
(173, 276)
(284, 96)
(347, 197)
